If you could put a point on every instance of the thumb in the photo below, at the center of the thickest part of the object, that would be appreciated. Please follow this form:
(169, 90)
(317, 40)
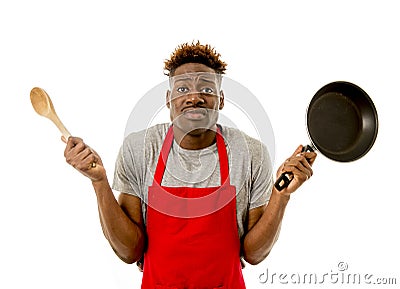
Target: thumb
(64, 139)
(297, 151)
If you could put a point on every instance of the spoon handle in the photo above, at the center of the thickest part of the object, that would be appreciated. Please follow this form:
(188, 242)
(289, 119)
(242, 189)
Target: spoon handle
(54, 118)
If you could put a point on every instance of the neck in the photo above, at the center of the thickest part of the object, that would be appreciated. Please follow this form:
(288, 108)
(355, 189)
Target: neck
(194, 140)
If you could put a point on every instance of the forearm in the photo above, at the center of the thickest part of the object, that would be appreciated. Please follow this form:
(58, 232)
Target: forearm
(259, 241)
(125, 236)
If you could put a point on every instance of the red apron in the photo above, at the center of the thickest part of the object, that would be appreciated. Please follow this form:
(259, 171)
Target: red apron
(193, 243)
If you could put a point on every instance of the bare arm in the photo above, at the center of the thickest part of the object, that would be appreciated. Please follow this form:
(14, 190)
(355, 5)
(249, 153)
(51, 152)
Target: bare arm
(264, 222)
(122, 223)
(264, 225)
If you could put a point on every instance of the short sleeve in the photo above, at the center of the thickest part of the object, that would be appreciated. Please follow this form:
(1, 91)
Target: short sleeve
(262, 181)
(125, 179)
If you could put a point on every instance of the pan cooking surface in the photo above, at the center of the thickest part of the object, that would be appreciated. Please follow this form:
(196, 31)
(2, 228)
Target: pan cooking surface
(342, 121)
(335, 117)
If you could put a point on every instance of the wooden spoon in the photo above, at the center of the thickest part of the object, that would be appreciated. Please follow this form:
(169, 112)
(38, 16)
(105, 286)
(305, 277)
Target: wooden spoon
(42, 104)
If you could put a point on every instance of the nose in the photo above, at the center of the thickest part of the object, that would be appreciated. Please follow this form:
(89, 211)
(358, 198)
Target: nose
(194, 99)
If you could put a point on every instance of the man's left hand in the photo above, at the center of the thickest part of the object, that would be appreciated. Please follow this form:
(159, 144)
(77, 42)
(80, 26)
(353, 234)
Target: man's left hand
(299, 165)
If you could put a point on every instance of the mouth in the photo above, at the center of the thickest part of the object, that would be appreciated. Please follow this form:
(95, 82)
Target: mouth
(195, 113)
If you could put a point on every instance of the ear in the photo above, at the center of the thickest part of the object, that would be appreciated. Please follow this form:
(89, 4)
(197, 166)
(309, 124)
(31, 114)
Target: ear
(168, 98)
(221, 100)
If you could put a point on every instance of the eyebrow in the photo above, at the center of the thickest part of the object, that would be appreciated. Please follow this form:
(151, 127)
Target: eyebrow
(201, 78)
(182, 79)
(208, 80)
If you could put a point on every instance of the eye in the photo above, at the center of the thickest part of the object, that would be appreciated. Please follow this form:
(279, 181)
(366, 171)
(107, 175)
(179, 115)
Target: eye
(207, 90)
(182, 89)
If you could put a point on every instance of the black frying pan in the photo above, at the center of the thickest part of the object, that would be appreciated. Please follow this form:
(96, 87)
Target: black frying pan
(342, 124)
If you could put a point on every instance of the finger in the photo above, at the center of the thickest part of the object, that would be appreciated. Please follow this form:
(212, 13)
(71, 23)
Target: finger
(64, 140)
(300, 164)
(84, 160)
(78, 147)
(304, 161)
(302, 158)
(310, 156)
(75, 159)
(98, 159)
(81, 156)
(297, 151)
(72, 150)
(89, 162)
(72, 142)
(93, 151)
(299, 172)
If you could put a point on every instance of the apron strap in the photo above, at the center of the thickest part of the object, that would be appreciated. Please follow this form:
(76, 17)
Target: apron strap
(223, 159)
(163, 157)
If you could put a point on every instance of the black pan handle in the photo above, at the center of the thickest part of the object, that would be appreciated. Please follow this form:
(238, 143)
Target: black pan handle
(284, 180)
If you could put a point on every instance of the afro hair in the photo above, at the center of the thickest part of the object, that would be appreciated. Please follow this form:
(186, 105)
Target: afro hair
(194, 53)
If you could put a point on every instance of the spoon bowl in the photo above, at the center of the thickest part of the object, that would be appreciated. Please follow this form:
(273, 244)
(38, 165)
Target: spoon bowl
(43, 105)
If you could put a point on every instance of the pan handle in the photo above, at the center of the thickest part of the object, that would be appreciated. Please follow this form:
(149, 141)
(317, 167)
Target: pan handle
(284, 180)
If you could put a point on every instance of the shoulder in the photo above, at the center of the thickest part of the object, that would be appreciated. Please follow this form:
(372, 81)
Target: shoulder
(139, 144)
(238, 139)
(153, 134)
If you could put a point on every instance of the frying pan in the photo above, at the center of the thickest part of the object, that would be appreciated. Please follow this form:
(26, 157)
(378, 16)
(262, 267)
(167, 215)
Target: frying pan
(342, 124)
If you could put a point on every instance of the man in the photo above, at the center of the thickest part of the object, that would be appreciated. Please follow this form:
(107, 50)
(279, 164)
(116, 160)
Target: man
(196, 197)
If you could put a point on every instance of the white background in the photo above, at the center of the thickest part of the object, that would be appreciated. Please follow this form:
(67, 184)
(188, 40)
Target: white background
(97, 58)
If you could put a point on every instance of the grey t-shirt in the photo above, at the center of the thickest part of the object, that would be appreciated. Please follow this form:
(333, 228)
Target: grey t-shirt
(250, 167)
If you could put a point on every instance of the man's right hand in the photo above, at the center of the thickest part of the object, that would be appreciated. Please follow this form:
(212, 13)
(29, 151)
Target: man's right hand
(84, 159)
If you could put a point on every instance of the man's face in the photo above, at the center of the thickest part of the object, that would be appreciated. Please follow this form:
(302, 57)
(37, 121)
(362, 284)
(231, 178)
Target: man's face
(194, 98)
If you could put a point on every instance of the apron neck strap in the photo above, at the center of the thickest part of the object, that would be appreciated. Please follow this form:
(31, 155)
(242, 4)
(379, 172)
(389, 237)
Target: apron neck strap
(163, 157)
